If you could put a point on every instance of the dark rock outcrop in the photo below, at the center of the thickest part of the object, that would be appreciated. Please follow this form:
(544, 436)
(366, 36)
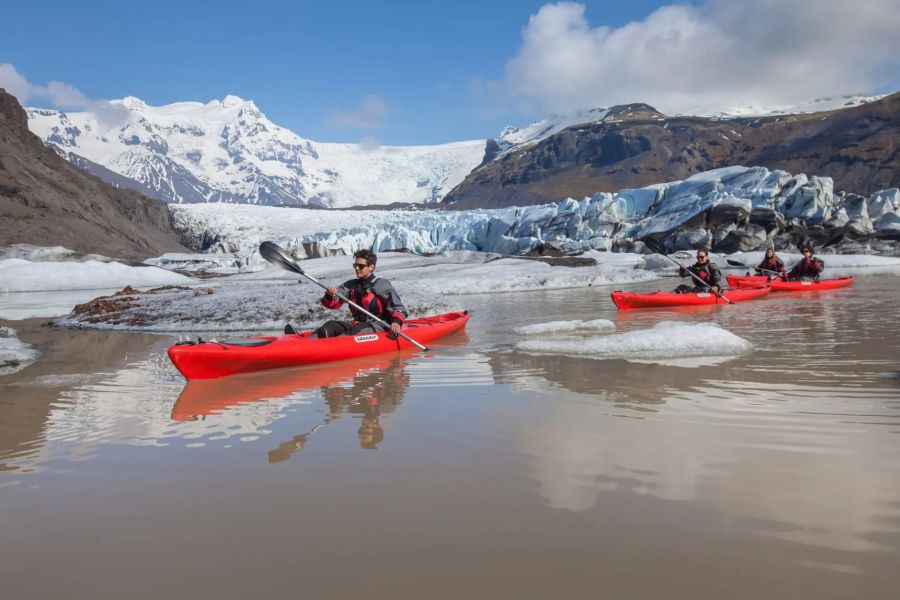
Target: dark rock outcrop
(636, 146)
(45, 201)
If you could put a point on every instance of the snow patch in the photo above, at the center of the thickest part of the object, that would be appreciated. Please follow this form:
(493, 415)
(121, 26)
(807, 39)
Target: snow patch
(18, 275)
(552, 327)
(665, 340)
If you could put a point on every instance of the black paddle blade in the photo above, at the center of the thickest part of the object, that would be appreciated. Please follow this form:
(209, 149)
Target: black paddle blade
(653, 245)
(276, 255)
(735, 263)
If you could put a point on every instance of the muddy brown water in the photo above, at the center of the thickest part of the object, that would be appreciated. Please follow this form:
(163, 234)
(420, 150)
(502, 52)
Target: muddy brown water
(472, 471)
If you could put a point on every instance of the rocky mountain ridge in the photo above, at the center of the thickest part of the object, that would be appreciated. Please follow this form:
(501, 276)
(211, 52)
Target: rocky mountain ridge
(635, 145)
(46, 201)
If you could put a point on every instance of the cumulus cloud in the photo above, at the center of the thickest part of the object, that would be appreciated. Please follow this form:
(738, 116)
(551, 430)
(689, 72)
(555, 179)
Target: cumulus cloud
(369, 114)
(14, 83)
(717, 55)
(369, 144)
(61, 95)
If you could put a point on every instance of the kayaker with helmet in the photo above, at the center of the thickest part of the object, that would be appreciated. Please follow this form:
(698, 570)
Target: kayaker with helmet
(702, 269)
(771, 265)
(809, 267)
(374, 294)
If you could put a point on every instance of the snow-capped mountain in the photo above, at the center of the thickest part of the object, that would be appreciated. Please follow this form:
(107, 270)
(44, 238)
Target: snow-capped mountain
(228, 151)
(512, 137)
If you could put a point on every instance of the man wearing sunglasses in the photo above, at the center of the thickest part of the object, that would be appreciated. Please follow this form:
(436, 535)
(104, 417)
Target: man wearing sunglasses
(702, 269)
(809, 267)
(370, 292)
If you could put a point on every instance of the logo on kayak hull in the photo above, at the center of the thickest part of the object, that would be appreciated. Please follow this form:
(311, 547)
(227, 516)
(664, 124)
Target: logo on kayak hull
(366, 338)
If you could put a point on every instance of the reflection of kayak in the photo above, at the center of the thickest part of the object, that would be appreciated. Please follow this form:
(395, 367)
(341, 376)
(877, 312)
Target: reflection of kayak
(628, 300)
(211, 396)
(779, 285)
(208, 360)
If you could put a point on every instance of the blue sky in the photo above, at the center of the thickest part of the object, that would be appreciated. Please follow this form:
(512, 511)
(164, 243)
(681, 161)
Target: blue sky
(434, 72)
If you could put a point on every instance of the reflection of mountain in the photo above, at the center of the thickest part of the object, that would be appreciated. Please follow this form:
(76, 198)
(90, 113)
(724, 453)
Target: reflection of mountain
(613, 380)
(759, 441)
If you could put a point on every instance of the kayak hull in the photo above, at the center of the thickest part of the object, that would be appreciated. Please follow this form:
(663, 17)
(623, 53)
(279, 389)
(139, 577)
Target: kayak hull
(632, 300)
(209, 360)
(778, 285)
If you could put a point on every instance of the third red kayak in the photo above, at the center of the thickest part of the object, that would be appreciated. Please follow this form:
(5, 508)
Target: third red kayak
(778, 285)
(629, 300)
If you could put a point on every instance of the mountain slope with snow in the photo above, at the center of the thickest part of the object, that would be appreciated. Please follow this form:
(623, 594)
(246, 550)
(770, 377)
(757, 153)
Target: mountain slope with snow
(228, 151)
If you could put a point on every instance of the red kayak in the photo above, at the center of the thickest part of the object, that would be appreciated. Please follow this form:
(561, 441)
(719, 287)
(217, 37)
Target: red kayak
(629, 300)
(208, 360)
(779, 285)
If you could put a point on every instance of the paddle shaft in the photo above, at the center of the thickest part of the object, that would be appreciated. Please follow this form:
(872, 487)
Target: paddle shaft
(740, 264)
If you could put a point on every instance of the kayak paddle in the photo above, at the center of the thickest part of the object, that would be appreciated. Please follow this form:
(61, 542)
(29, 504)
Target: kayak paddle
(735, 263)
(655, 247)
(276, 255)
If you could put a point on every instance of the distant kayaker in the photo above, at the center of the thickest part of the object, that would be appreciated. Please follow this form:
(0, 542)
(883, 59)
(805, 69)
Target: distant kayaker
(704, 270)
(771, 265)
(374, 294)
(809, 267)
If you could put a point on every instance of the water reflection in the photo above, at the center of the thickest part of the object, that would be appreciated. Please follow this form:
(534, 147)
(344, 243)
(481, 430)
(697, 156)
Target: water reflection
(372, 393)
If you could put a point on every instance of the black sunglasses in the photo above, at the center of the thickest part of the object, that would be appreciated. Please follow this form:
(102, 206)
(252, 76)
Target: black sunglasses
(360, 265)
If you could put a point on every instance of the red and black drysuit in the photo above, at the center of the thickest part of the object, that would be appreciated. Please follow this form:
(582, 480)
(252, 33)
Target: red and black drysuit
(808, 267)
(373, 294)
(708, 273)
(770, 266)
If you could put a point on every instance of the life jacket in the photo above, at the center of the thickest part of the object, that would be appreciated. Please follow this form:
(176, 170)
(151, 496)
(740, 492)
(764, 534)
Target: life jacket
(373, 294)
(708, 273)
(808, 267)
(771, 264)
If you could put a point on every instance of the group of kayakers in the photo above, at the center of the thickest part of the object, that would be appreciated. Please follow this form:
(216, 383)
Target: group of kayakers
(809, 267)
(378, 296)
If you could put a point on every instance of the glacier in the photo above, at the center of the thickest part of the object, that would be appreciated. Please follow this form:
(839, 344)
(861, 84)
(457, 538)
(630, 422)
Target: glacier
(732, 209)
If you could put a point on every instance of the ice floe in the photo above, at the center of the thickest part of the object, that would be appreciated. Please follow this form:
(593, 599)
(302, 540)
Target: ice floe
(265, 300)
(14, 354)
(19, 275)
(565, 327)
(665, 340)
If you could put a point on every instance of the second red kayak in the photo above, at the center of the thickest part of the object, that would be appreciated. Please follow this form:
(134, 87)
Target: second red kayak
(779, 285)
(208, 360)
(629, 300)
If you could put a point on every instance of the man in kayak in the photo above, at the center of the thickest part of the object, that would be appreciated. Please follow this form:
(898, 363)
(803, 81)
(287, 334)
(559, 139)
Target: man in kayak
(771, 265)
(702, 269)
(809, 267)
(374, 294)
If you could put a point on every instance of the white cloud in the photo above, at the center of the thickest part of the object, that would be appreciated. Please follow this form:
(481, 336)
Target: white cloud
(61, 95)
(369, 144)
(718, 55)
(369, 114)
(14, 83)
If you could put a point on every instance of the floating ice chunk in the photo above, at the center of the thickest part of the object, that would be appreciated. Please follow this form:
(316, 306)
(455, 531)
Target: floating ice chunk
(565, 327)
(665, 340)
(15, 355)
(19, 275)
